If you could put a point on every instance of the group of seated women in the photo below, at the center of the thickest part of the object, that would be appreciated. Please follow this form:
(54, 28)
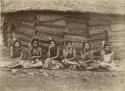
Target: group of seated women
(68, 59)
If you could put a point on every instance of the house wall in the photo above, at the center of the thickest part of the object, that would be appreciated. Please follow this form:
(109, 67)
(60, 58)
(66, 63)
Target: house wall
(75, 27)
(117, 35)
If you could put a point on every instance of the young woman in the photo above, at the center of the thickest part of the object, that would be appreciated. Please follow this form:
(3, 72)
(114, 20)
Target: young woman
(86, 56)
(52, 61)
(107, 56)
(69, 54)
(16, 54)
(35, 55)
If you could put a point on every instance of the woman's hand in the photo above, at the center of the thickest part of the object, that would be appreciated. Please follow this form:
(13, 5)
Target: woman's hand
(88, 61)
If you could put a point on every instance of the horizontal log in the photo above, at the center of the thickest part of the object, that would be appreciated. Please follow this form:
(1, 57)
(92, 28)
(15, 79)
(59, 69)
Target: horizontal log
(117, 19)
(76, 25)
(77, 41)
(95, 40)
(96, 45)
(118, 27)
(99, 17)
(96, 29)
(15, 22)
(49, 17)
(98, 22)
(27, 17)
(117, 34)
(50, 30)
(75, 33)
(25, 29)
(43, 17)
(50, 25)
(117, 44)
(117, 41)
(98, 36)
(24, 38)
(25, 34)
(21, 17)
(31, 24)
(76, 20)
(59, 22)
(75, 38)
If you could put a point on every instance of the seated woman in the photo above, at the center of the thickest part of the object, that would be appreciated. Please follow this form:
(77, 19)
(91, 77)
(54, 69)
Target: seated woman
(107, 56)
(86, 56)
(69, 54)
(52, 61)
(16, 54)
(35, 55)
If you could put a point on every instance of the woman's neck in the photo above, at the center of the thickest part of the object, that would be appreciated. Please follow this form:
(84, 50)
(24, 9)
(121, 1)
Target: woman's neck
(68, 48)
(35, 46)
(86, 50)
(16, 47)
(107, 52)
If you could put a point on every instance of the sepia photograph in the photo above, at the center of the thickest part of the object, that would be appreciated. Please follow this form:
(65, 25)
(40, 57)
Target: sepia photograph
(62, 45)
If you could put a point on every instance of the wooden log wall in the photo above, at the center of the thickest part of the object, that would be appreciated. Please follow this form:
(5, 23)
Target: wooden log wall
(50, 25)
(117, 35)
(71, 27)
(76, 30)
(97, 25)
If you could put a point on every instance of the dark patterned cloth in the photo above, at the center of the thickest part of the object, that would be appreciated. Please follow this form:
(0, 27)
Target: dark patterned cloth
(88, 55)
(17, 52)
(36, 51)
(53, 51)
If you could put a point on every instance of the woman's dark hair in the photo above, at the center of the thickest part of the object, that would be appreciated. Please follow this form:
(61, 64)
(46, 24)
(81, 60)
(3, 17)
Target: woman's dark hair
(18, 42)
(68, 42)
(106, 45)
(88, 44)
(52, 41)
(34, 41)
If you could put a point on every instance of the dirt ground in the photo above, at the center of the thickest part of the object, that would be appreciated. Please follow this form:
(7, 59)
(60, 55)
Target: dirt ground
(58, 80)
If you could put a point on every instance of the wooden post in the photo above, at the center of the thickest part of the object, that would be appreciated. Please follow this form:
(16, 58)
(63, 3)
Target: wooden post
(35, 20)
(87, 19)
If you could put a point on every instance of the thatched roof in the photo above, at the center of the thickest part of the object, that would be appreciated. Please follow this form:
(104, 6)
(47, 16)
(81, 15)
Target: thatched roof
(95, 6)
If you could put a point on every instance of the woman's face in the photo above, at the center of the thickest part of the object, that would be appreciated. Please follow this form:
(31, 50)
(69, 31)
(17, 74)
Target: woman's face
(69, 45)
(52, 44)
(107, 48)
(35, 43)
(87, 46)
(17, 44)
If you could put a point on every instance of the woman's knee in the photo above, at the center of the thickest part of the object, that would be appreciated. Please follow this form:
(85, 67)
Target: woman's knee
(65, 61)
(47, 60)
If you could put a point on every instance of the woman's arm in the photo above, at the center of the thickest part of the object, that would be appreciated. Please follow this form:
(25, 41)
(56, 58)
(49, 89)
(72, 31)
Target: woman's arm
(82, 55)
(65, 53)
(48, 53)
(30, 54)
(112, 57)
(21, 55)
(11, 52)
(102, 56)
